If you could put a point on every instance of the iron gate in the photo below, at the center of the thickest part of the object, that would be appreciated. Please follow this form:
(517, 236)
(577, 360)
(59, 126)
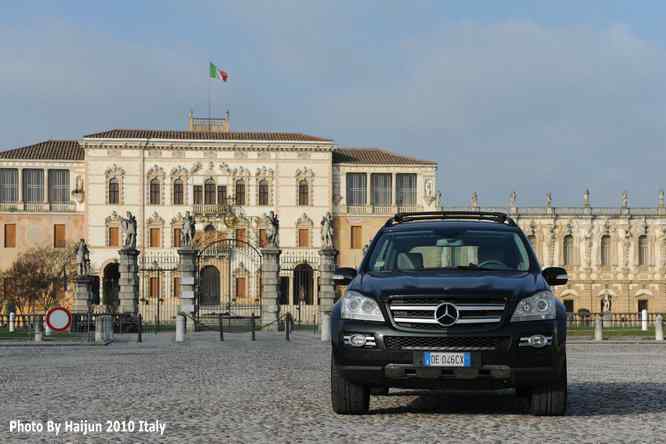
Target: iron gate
(228, 280)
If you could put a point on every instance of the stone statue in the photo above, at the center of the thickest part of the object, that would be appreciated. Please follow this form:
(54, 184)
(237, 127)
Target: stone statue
(661, 199)
(586, 198)
(129, 229)
(549, 199)
(327, 231)
(606, 303)
(188, 231)
(273, 233)
(475, 200)
(514, 199)
(625, 199)
(364, 251)
(83, 258)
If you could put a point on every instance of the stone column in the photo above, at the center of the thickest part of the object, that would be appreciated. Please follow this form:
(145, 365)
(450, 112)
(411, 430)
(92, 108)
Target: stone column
(129, 280)
(188, 270)
(270, 283)
(82, 294)
(326, 290)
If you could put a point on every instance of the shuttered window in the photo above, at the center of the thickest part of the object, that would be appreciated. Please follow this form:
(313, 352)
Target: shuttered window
(178, 192)
(222, 195)
(605, 250)
(155, 192)
(155, 241)
(114, 191)
(114, 237)
(356, 237)
(643, 257)
(303, 193)
(357, 189)
(263, 192)
(209, 192)
(59, 236)
(241, 234)
(58, 186)
(176, 237)
(10, 235)
(405, 193)
(198, 194)
(154, 287)
(240, 192)
(304, 237)
(176, 287)
(381, 189)
(568, 250)
(241, 288)
(8, 185)
(263, 238)
(33, 186)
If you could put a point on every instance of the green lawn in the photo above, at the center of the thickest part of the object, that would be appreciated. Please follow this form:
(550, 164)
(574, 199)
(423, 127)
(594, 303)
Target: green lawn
(612, 332)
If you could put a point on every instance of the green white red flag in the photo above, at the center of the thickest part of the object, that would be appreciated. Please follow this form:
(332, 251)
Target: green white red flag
(217, 73)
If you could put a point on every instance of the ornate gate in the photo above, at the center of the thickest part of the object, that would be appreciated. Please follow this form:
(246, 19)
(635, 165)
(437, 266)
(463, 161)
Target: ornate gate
(228, 279)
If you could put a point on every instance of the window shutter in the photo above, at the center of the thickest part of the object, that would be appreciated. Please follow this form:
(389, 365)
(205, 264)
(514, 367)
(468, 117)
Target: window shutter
(356, 237)
(58, 236)
(176, 237)
(10, 235)
(114, 237)
(155, 238)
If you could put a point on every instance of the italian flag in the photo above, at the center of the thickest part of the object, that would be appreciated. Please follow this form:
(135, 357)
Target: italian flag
(217, 73)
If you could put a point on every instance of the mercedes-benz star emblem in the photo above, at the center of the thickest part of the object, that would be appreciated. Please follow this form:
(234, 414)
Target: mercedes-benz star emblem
(446, 314)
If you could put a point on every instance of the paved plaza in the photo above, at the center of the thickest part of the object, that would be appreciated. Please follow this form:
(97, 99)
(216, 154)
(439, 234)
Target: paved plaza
(277, 391)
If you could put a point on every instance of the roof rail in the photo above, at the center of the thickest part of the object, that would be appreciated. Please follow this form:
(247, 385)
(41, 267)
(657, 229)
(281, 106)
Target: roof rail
(491, 216)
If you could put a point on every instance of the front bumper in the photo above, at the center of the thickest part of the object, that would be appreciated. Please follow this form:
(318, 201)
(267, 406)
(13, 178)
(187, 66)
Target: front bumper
(507, 365)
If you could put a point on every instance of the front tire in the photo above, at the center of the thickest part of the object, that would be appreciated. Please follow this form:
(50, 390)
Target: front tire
(551, 399)
(347, 398)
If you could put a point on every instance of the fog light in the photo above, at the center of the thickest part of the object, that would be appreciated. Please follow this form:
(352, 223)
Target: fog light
(357, 340)
(536, 341)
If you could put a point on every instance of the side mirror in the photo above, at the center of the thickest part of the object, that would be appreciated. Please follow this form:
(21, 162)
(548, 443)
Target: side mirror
(555, 275)
(344, 276)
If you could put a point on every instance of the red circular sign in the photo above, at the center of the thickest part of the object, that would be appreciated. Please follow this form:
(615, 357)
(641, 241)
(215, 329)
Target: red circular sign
(58, 319)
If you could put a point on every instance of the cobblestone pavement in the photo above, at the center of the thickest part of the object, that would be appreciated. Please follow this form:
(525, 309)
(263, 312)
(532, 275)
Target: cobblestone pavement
(274, 391)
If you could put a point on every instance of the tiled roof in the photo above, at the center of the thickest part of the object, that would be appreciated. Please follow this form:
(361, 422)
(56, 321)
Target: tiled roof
(198, 135)
(375, 156)
(49, 150)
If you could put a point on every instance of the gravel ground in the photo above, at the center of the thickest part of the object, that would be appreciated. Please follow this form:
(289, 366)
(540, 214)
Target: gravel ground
(271, 390)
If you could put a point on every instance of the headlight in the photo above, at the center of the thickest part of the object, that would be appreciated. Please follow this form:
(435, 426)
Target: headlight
(356, 306)
(539, 307)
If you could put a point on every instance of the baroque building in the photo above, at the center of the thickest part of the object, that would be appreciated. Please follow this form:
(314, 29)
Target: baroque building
(57, 192)
(617, 253)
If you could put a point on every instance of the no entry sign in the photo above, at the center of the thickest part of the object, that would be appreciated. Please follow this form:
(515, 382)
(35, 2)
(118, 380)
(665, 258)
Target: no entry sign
(58, 319)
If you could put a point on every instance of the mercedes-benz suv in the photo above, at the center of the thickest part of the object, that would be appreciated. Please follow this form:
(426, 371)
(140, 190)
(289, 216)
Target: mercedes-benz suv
(449, 300)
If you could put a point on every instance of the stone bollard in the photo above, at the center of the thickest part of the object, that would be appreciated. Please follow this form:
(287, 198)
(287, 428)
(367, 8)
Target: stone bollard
(99, 329)
(598, 330)
(47, 329)
(180, 328)
(12, 322)
(644, 320)
(38, 330)
(659, 328)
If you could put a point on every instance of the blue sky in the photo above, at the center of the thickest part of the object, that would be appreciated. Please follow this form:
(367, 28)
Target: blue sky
(528, 96)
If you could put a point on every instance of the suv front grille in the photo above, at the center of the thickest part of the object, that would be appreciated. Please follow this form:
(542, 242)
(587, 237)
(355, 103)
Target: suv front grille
(469, 343)
(419, 312)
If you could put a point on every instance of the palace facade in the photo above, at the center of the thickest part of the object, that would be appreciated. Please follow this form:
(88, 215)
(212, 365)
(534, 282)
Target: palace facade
(57, 192)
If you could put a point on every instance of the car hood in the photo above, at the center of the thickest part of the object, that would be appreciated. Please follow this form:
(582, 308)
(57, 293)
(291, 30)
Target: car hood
(450, 282)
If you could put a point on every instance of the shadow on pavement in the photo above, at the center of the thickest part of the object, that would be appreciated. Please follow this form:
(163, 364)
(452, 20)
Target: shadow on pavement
(585, 399)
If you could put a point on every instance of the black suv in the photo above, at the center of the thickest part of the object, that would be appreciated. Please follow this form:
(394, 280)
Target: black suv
(449, 300)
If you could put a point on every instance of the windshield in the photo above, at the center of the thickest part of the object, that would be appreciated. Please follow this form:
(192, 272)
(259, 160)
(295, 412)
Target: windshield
(471, 249)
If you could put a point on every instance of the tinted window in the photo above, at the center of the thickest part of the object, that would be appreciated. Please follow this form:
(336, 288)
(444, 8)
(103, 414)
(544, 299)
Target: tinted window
(449, 249)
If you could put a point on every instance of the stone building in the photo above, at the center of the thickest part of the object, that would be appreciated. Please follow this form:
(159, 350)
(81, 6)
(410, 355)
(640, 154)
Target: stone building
(88, 186)
(617, 252)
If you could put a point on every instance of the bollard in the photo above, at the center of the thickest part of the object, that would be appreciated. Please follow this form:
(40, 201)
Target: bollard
(99, 330)
(598, 330)
(139, 329)
(287, 325)
(47, 329)
(38, 329)
(659, 328)
(253, 334)
(180, 328)
(12, 322)
(644, 320)
(221, 328)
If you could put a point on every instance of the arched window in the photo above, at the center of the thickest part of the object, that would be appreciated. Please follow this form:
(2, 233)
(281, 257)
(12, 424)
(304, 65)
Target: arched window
(240, 192)
(303, 285)
(643, 257)
(178, 192)
(303, 193)
(114, 191)
(209, 192)
(263, 192)
(605, 250)
(154, 192)
(209, 229)
(568, 250)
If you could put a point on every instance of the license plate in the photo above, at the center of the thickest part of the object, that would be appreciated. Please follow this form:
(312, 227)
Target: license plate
(438, 359)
